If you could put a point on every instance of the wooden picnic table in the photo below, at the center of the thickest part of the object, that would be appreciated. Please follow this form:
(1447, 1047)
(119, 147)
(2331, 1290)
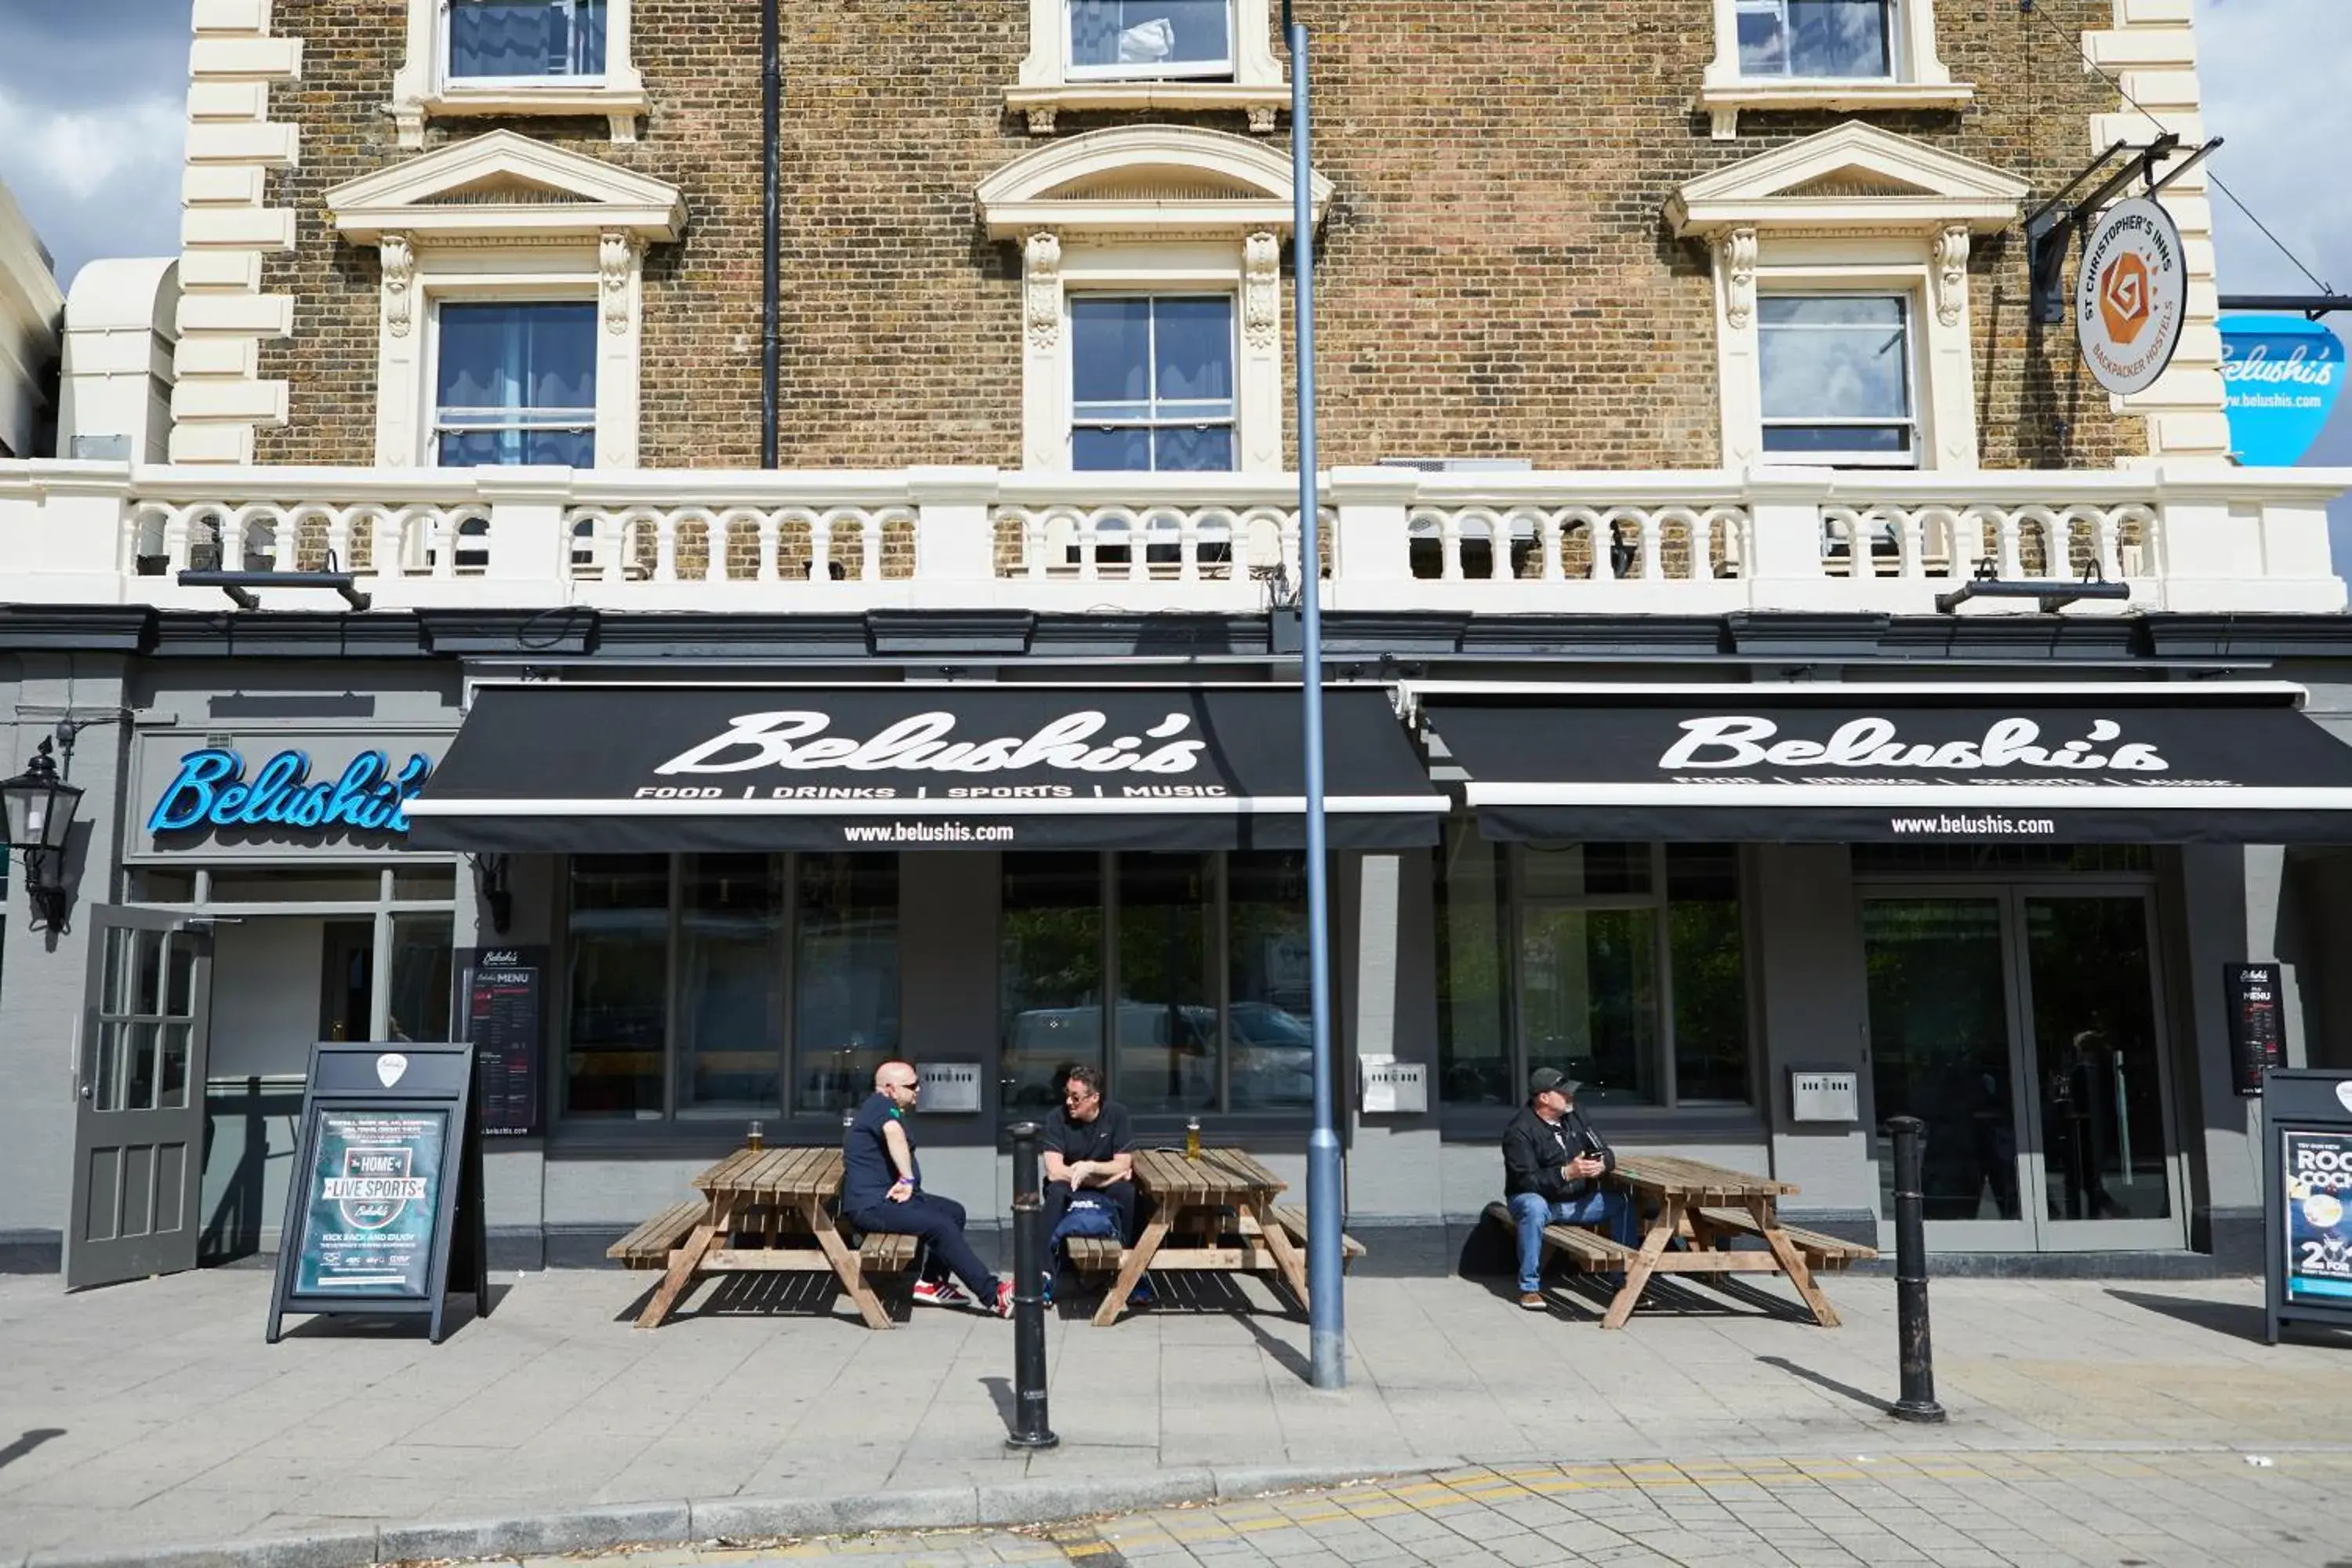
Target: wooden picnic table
(1706, 1206)
(1221, 1207)
(784, 1198)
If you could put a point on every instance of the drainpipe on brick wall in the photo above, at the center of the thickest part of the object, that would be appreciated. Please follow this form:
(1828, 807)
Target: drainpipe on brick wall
(772, 93)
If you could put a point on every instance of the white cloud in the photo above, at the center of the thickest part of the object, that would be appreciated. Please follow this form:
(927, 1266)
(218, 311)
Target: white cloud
(2273, 74)
(78, 153)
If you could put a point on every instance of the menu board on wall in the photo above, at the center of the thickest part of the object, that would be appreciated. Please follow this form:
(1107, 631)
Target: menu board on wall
(502, 996)
(2257, 1037)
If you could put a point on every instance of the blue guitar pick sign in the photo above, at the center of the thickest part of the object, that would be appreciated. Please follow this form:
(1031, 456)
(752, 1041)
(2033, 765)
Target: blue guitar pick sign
(2281, 374)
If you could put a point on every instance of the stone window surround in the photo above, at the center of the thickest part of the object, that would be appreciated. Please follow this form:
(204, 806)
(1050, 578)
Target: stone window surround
(1260, 87)
(421, 89)
(1165, 243)
(586, 243)
(408, 354)
(1853, 209)
(1920, 79)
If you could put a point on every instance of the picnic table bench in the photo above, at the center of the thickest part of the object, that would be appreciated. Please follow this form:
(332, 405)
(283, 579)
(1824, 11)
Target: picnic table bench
(1704, 1207)
(1220, 1210)
(784, 1200)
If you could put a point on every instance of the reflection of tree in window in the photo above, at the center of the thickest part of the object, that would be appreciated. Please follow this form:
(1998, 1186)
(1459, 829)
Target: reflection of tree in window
(1049, 968)
(1473, 972)
(1270, 1012)
(845, 975)
(1166, 1009)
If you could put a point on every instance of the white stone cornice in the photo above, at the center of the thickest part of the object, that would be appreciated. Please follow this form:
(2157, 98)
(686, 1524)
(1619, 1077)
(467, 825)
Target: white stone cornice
(550, 193)
(1853, 174)
(1166, 179)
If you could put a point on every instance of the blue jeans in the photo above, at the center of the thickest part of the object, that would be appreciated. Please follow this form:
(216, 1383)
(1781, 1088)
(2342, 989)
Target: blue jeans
(1532, 1211)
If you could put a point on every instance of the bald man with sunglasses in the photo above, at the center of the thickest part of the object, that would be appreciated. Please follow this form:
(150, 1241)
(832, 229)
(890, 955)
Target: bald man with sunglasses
(882, 1194)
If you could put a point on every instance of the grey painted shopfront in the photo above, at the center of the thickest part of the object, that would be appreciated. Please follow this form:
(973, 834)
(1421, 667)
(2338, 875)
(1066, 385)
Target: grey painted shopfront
(2054, 1010)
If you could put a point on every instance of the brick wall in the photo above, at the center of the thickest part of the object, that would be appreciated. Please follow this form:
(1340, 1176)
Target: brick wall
(1495, 278)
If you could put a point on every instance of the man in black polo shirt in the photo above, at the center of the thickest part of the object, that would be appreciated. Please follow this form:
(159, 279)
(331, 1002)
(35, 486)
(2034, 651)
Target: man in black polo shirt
(1088, 1149)
(882, 1194)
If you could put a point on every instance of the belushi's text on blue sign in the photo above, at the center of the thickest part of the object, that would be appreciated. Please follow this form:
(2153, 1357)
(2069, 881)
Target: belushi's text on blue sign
(212, 791)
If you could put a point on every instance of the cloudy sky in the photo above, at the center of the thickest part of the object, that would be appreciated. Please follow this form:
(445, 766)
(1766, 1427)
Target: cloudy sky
(90, 97)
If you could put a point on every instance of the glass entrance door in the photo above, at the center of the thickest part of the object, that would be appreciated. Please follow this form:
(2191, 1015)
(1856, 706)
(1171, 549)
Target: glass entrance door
(2101, 1101)
(2022, 1026)
(1942, 1049)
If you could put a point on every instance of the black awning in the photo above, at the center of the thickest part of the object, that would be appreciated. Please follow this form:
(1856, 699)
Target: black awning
(2143, 762)
(625, 769)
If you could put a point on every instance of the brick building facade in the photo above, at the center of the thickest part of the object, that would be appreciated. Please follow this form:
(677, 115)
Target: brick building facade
(1495, 275)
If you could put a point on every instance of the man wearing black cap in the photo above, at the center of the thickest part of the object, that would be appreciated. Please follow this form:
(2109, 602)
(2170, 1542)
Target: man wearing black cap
(1553, 1164)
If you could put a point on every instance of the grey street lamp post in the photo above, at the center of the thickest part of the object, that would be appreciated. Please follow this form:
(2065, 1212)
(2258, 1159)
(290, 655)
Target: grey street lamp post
(1326, 1312)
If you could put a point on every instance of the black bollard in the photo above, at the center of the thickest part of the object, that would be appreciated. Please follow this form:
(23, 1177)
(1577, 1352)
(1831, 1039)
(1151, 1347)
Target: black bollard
(1918, 1401)
(1029, 1425)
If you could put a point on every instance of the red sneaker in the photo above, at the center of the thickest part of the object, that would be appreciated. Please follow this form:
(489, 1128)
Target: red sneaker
(940, 1293)
(1005, 1298)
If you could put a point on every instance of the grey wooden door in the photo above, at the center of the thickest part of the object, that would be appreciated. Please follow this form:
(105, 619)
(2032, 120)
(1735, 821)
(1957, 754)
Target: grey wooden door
(139, 1118)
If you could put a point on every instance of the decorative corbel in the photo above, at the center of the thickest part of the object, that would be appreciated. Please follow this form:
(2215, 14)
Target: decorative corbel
(396, 259)
(1951, 273)
(1261, 118)
(1041, 287)
(408, 122)
(617, 255)
(1261, 289)
(1041, 120)
(1738, 262)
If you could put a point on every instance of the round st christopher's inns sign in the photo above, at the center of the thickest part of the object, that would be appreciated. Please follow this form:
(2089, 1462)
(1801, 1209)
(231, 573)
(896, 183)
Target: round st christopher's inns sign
(2130, 296)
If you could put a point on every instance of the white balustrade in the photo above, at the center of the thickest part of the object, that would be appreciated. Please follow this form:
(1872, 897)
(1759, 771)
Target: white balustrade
(2183, 538)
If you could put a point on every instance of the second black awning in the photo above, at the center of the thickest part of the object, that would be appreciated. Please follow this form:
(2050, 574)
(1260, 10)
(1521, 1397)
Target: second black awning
(2117, 762)
(623, 769)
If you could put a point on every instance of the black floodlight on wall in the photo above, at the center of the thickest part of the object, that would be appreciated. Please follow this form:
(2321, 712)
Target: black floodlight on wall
(40, 808)
(2051, 597)
(240, 586)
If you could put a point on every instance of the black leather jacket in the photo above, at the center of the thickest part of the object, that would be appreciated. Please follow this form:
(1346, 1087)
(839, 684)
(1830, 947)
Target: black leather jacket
(1534, 1150)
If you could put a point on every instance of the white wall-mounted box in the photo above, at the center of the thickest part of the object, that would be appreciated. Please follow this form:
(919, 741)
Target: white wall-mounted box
(1816, 1096)
(1395, 1088)
(950, 1086)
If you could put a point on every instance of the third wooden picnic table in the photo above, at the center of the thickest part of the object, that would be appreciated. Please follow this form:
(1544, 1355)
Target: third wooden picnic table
(1221, 1209)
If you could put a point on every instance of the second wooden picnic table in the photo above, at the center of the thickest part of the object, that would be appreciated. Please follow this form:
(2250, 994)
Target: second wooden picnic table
(1221, 1209)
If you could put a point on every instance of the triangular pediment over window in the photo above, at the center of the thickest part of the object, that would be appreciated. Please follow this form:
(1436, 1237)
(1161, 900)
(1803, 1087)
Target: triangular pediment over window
(1853, 176)
(1145, 178)
(503, 185)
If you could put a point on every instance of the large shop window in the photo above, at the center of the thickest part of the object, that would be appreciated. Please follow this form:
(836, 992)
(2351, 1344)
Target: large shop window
(516, 384)
(1151, 383)
(1837, 380)
(1206, 955)
(680, 968)
(1621, 964)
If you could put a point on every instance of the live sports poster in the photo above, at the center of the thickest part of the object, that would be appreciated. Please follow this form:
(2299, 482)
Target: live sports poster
(2318, 1213)
(368, 1222)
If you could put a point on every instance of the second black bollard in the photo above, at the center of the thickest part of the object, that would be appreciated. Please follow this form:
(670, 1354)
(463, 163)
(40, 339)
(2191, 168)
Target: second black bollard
(1918, 1400)
(1029, 1425)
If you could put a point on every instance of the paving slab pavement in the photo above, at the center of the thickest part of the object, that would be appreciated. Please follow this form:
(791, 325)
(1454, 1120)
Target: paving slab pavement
(150, 1416)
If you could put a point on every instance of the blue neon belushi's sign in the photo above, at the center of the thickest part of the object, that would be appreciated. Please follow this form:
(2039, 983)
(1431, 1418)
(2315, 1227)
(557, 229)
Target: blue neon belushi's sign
(211, 791)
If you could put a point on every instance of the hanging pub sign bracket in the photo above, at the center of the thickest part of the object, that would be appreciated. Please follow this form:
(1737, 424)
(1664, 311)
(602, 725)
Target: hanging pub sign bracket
(2050, 228)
